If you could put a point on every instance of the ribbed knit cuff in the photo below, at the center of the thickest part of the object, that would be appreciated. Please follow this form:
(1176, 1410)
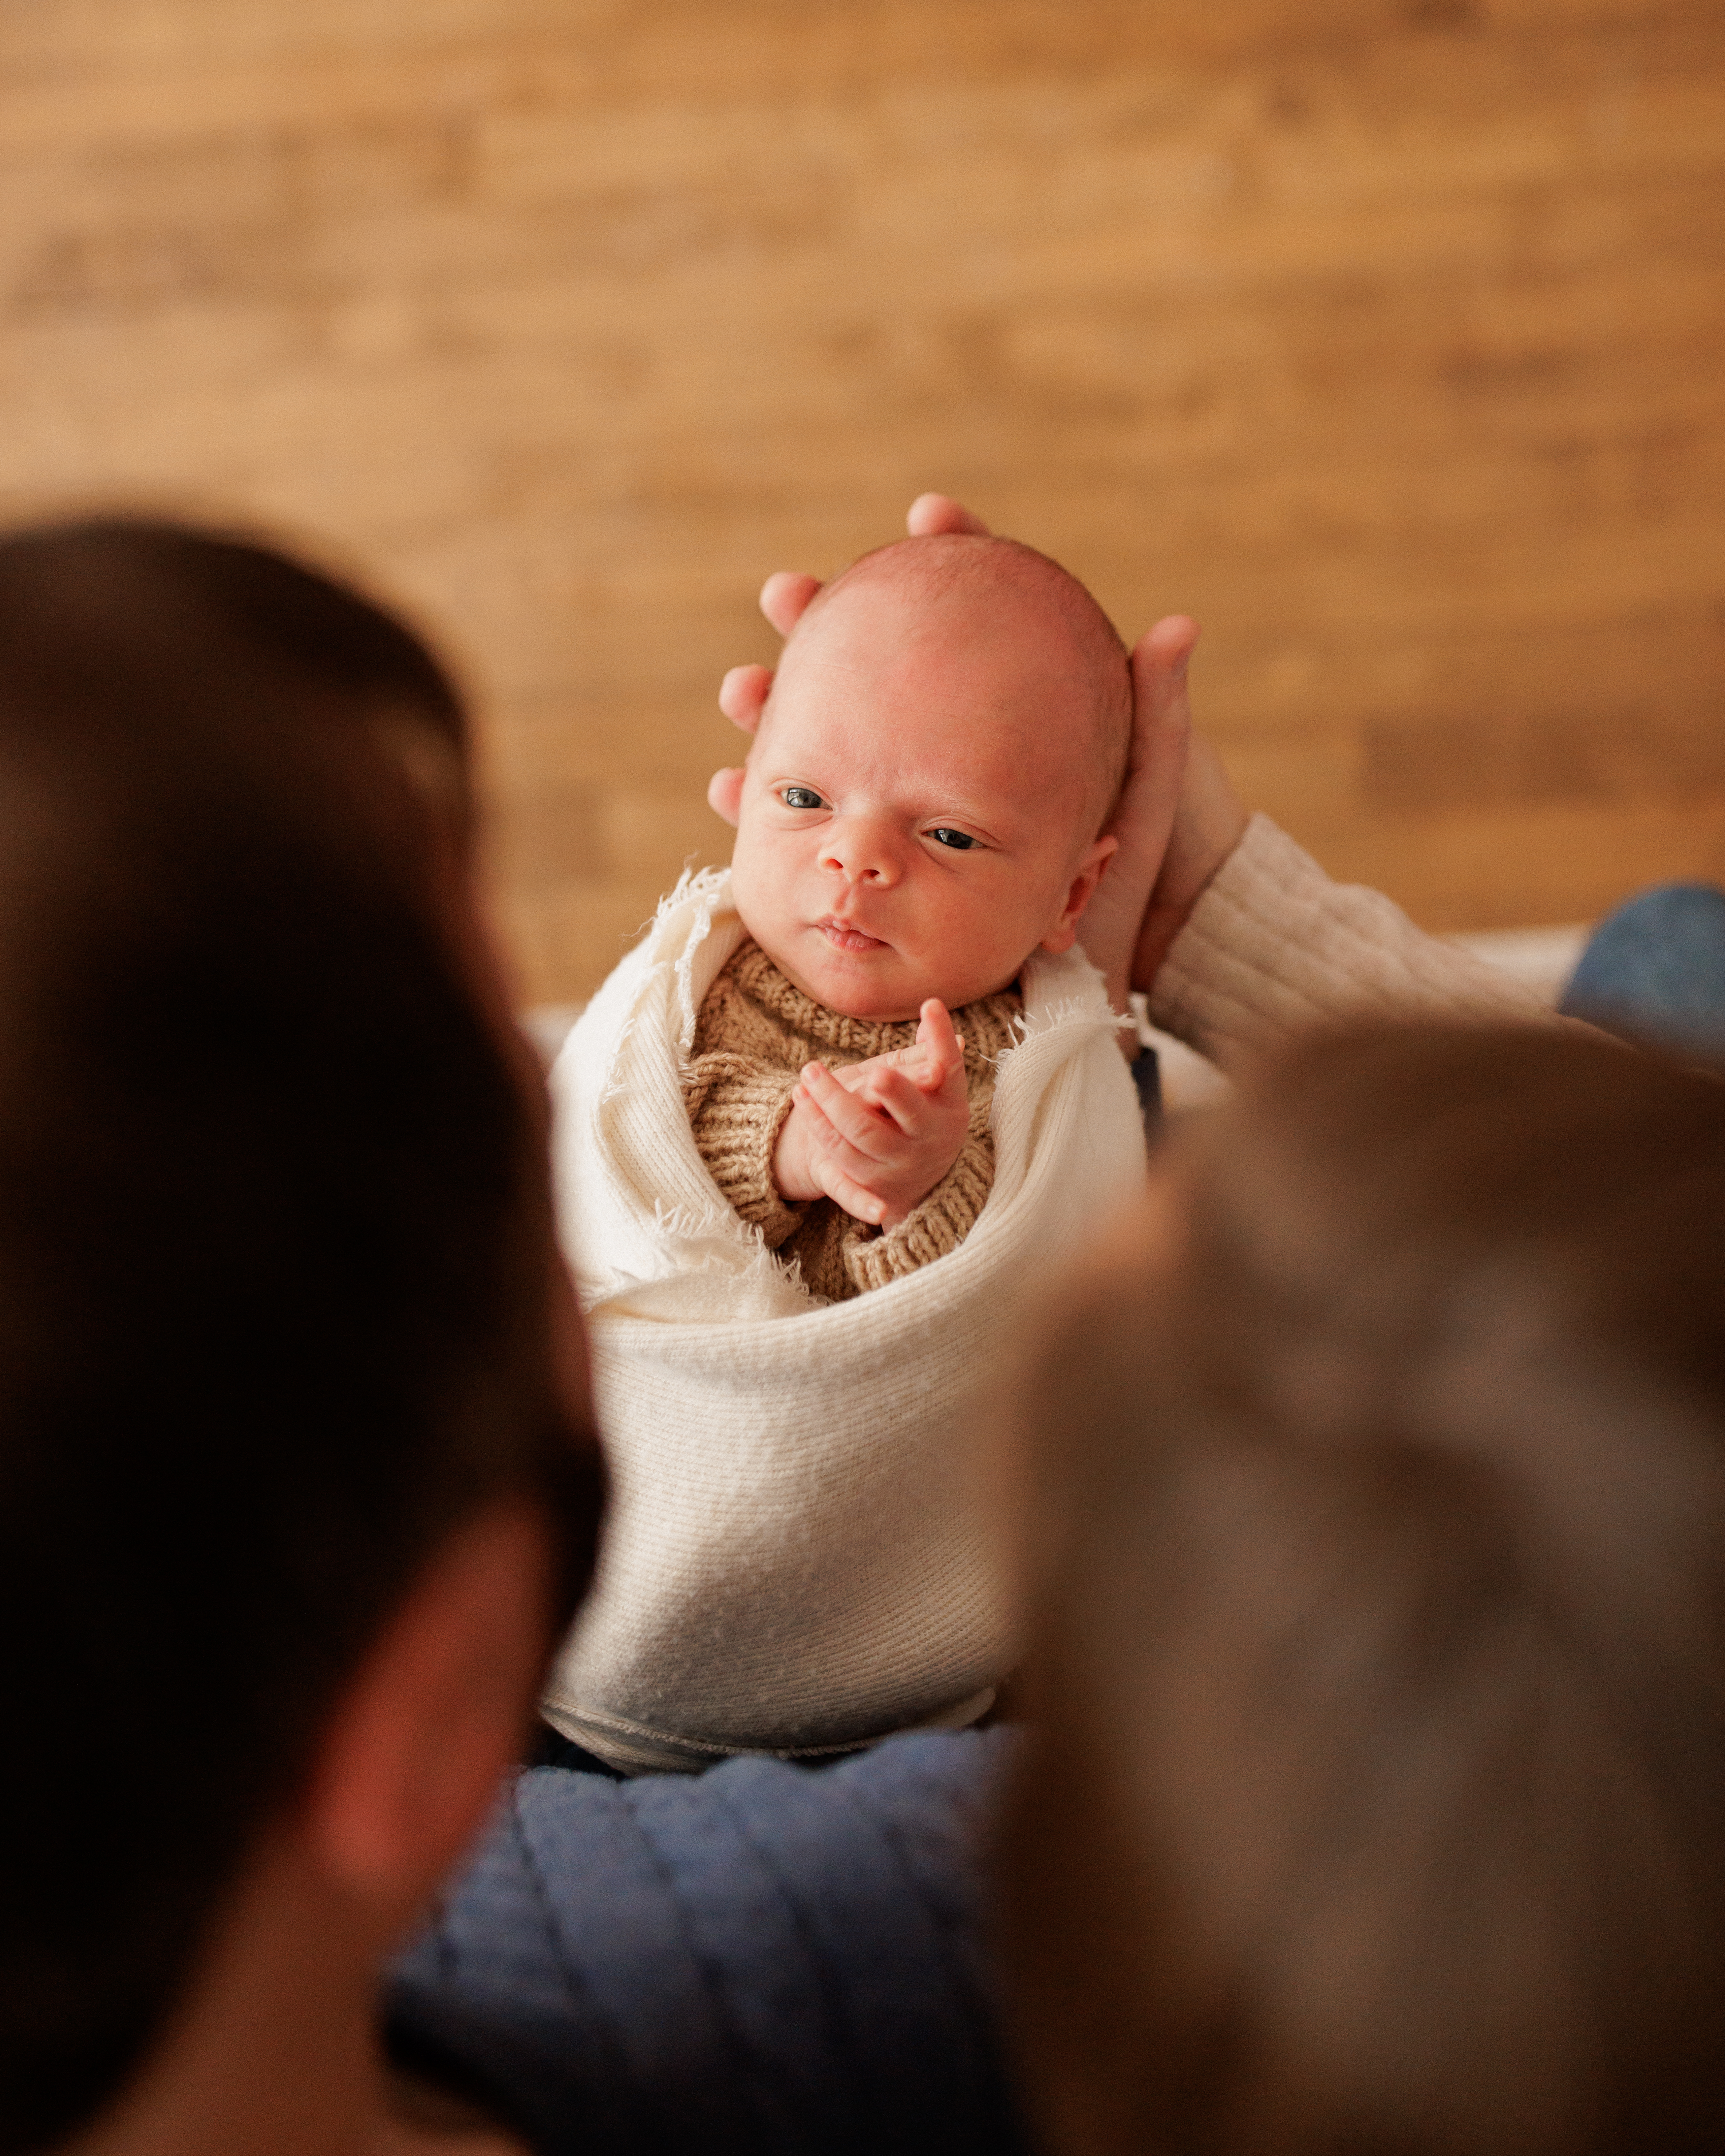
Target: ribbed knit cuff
(737, 1128)
(940, 1223)
(1274, 947)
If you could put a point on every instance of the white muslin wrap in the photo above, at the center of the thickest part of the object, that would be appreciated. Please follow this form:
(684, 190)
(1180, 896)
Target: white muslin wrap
(800, 1555)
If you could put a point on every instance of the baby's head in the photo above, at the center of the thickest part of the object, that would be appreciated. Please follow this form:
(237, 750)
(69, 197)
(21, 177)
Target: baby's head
(945, 739)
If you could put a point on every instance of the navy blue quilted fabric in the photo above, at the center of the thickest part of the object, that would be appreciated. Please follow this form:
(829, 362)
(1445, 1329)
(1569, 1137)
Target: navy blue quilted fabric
(762, 1956)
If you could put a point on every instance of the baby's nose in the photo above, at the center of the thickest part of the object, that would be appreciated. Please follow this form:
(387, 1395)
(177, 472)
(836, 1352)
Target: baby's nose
(862, 852)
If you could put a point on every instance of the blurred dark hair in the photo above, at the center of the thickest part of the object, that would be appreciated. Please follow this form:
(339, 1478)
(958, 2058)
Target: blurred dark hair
(1374, 1807)
(275, 1241)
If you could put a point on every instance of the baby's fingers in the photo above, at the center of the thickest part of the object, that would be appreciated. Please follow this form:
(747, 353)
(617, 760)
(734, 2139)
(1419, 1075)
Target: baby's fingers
(860, 1204)
(853, 1119)
(942, 1050)
(901, 1093)
(935, 1035)
(834, 1164)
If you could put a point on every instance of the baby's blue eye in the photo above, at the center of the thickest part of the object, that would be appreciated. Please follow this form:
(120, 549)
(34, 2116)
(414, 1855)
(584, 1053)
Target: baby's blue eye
(800, 796)
(947, 836)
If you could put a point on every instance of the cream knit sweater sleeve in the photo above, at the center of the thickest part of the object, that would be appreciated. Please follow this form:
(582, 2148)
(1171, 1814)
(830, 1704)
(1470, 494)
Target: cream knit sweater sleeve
(1274, 946)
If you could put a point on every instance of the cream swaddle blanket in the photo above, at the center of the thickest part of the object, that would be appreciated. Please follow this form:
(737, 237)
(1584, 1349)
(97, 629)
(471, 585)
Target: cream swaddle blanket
(798, 1557)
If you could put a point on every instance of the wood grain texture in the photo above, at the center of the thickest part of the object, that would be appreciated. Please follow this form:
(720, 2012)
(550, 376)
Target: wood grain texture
(1386, 338)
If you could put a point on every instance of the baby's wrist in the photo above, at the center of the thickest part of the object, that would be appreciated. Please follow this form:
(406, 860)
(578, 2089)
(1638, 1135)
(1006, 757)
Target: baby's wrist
(792, 1177)
(927, 1189)
(795, 1189)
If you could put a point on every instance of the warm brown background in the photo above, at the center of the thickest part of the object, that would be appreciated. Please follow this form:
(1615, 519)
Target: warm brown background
(1389, 339)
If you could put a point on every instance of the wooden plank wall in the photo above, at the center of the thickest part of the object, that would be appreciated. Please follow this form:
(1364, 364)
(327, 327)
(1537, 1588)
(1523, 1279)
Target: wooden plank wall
(1386, 335)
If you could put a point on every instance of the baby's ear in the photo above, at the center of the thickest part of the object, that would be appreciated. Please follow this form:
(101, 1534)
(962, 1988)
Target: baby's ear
(724, 794)
(1079, 894)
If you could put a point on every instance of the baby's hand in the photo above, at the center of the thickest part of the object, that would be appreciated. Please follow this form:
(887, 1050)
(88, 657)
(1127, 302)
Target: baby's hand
(876, 1138)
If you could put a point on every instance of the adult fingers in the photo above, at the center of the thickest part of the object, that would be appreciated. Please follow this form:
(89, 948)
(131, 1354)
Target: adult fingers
(1209, 821)
(743, 692)
(933, 513)
(1162, 737)
(724, 794)
(785, 596)
(1114, 919)
(742, 696)
(1162, 705)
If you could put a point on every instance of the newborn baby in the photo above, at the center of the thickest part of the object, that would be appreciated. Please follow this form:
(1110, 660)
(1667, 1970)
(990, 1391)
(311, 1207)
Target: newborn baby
(919, 813)
(820, 1139)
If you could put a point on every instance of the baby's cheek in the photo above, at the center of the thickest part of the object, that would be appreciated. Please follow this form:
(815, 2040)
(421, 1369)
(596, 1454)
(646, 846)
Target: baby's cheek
(988, 922)
(761, 882)
(746, 863)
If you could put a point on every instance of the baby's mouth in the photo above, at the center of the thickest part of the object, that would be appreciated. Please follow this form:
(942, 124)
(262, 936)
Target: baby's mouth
(843, 936)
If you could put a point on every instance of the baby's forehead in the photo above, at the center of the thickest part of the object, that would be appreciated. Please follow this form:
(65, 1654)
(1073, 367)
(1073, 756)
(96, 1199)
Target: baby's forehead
(922, 660)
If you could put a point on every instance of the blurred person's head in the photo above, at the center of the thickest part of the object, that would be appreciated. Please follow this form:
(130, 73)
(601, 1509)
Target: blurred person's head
(924, 799)
(291, 1488)
(1375, 1802)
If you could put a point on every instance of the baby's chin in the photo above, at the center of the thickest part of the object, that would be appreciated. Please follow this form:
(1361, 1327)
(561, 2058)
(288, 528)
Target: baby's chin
(855, 986)
(878, 988)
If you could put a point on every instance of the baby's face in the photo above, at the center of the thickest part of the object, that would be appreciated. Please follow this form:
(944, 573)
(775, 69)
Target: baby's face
(916, 818)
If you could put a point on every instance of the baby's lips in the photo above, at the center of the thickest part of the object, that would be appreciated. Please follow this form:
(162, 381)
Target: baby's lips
(836, 930)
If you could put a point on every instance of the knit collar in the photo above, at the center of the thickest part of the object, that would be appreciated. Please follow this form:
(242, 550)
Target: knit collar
(985, 1026)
